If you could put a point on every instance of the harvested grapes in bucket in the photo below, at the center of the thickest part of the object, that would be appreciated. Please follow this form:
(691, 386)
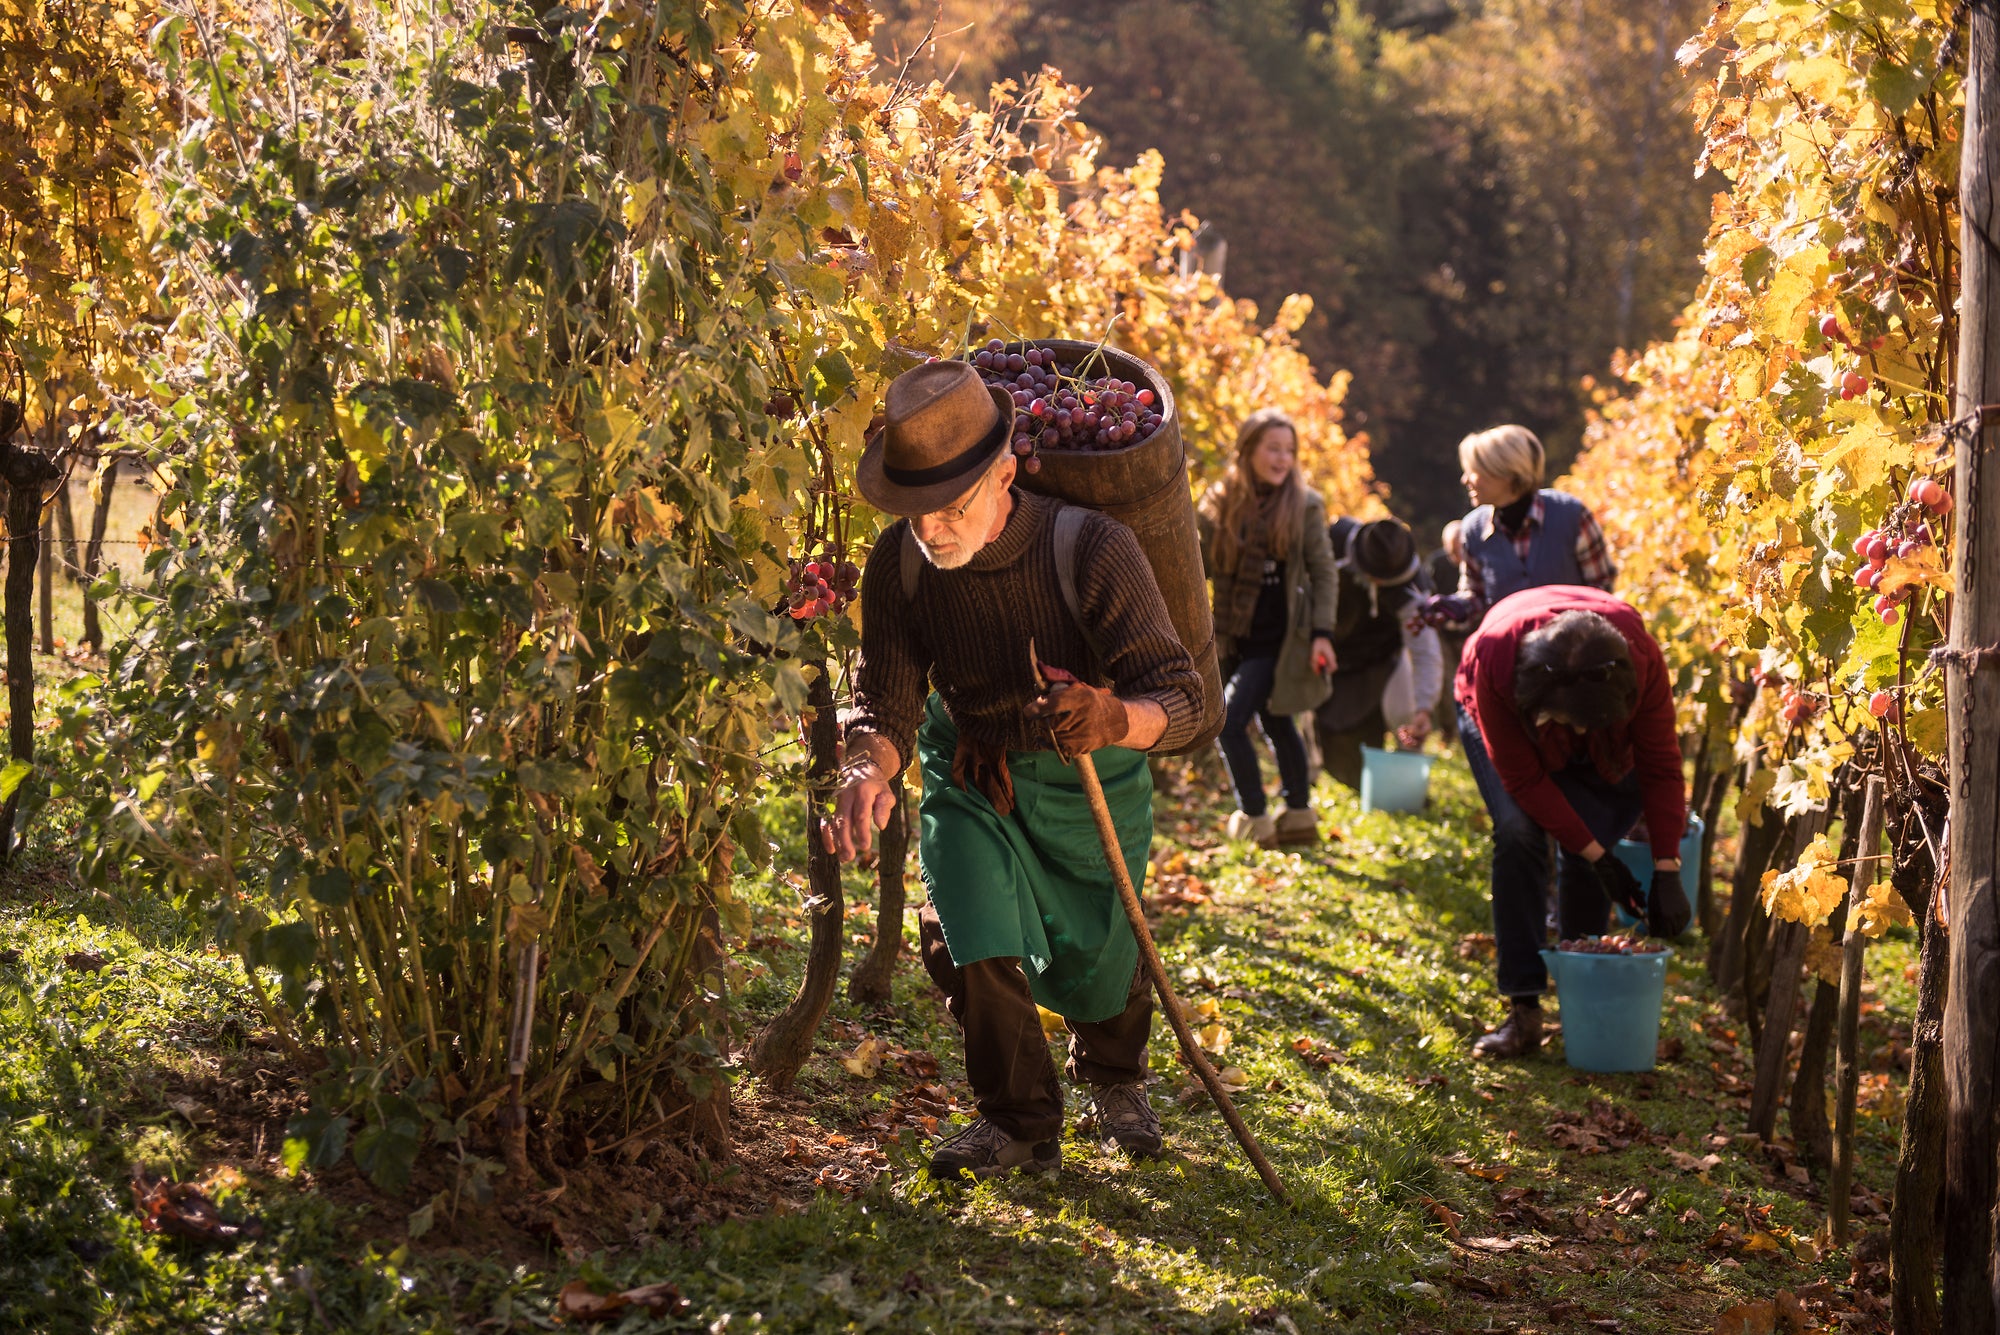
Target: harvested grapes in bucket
(1609, 945)
(1058, 408)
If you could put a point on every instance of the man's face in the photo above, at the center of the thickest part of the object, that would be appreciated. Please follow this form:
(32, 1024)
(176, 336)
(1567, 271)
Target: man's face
(954, 535)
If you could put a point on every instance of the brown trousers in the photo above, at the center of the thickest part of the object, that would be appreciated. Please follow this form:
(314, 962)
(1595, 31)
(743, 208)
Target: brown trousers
(1006, 1053)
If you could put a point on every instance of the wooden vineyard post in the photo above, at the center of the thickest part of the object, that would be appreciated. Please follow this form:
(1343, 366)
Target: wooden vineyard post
(873, 978)
(93, 555)
(1846, 1072)
(1788, 953)
(781, 1048)
(1972, 701)
(44, 574)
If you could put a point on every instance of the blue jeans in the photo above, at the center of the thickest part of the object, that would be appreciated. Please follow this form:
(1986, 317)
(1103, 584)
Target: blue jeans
(1521, 862)
(1246, 693)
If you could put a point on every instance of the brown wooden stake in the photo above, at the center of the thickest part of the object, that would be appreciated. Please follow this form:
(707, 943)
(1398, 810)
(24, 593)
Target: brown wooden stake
(1788, 953)
(781, 1048)
(93, 556)
(1846, 1071)
(1135, 913)
(1913, 1212)
(1972, 699)
(45, 573)
(65, 515)
(873, 978)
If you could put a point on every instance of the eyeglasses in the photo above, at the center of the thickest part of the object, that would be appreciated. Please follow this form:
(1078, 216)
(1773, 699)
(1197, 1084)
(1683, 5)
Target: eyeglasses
(951, 514)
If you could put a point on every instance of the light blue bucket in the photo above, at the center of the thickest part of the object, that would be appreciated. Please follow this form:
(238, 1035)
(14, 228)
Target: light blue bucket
(1394, 780)
(1610, 1008)
(1639, 858)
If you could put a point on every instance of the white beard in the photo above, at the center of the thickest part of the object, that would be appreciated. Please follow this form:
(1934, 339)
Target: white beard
(953, 559)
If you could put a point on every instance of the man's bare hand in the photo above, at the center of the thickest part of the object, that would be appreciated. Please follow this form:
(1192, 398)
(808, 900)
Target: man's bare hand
(864, 804)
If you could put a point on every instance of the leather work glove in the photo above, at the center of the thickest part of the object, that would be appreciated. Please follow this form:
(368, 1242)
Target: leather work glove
(1080, 718)
(981, 767)
(1620, 886)
(1667, 911)
(1446, 609)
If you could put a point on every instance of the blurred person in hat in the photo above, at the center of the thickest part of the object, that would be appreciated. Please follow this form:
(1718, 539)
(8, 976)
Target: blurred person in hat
(1021, 908)
(1391, 669)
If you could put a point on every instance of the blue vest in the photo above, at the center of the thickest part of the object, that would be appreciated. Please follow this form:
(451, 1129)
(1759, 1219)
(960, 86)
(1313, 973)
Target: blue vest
(1551, 553)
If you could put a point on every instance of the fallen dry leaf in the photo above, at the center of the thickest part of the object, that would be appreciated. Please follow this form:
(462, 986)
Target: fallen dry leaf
(1234, 1079)
(1748, 1319)
(1493, 1244)
(1443, 1213)
(1630, 1201)
(1688, 1163)
(183, 1210)
(866, 1059)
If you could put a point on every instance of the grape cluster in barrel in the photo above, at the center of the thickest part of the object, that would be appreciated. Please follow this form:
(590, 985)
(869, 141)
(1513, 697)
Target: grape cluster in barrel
(1059, 409)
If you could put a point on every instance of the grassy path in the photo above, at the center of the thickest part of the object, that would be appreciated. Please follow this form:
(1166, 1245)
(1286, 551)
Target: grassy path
(1434, 1194)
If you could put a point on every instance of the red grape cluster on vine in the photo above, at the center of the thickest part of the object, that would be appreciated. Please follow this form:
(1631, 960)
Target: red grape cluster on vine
(1905, 534)
(1057, 409)
(823, 584)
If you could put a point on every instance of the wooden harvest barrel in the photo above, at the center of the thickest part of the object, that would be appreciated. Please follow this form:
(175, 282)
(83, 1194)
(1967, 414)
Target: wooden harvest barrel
(1145, 487)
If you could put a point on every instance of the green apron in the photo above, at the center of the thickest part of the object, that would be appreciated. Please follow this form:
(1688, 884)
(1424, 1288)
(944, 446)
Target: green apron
(1034, 886)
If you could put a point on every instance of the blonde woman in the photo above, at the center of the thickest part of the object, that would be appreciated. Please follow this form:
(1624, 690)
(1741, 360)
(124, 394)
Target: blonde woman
(1522, 535)
(1264, 541)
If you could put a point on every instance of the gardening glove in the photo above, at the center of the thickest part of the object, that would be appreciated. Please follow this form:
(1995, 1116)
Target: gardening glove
(981, 767)
(1667, 911)
(1446, 609)
(1080, 718)
(1620, 886)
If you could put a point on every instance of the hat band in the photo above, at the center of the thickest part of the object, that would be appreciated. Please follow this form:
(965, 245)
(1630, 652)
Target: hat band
(956, 466)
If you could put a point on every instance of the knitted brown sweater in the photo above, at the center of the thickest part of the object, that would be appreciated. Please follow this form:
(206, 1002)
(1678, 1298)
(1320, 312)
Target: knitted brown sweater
(966, 633)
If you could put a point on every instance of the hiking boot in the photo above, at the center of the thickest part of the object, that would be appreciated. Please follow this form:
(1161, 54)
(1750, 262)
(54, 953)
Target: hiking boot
(1295, 825)
(1124, 1114)
(1256, 829)
(1520, 1036)
(984, 1150)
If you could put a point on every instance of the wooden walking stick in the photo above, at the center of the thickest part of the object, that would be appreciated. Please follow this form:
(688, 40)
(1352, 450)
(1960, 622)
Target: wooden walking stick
(1135, 913)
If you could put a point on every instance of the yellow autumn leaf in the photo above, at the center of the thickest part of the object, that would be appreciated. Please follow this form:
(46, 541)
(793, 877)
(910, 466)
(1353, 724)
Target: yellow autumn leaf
(1882, 909)
(1808, 891)
(1052, 1024)
(1215, 1038)
(866, 1059)
(1920, 567)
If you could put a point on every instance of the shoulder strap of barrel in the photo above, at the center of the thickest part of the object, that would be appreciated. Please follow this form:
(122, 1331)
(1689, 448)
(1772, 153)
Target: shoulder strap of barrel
(913, 563)
(1069, 526)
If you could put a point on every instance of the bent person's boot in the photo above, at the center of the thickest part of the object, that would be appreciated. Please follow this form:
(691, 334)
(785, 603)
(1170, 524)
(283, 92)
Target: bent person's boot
(1124, 1114)
(984, 1150)
(1520, 1036)
(1295, 825)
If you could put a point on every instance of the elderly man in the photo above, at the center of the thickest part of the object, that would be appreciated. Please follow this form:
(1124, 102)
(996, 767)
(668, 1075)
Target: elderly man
(1567, 717)
(1021, 905)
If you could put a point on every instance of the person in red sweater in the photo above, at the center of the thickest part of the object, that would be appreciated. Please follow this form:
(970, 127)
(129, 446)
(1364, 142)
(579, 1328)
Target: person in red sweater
(1567, 717)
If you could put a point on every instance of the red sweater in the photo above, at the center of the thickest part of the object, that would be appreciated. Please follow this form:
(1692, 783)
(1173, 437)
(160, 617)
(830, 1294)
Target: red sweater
(1528, 760)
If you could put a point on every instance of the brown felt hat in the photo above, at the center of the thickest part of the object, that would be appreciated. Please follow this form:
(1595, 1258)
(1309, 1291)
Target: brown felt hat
(1385, 552)
(942, 424)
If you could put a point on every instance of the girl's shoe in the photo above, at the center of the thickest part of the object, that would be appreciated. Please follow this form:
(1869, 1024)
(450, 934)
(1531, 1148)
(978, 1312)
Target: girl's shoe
(1257, 829)
(1295, 825)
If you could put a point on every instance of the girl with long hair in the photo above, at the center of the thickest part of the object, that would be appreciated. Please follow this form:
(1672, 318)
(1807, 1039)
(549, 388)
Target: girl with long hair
(1264, 542)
